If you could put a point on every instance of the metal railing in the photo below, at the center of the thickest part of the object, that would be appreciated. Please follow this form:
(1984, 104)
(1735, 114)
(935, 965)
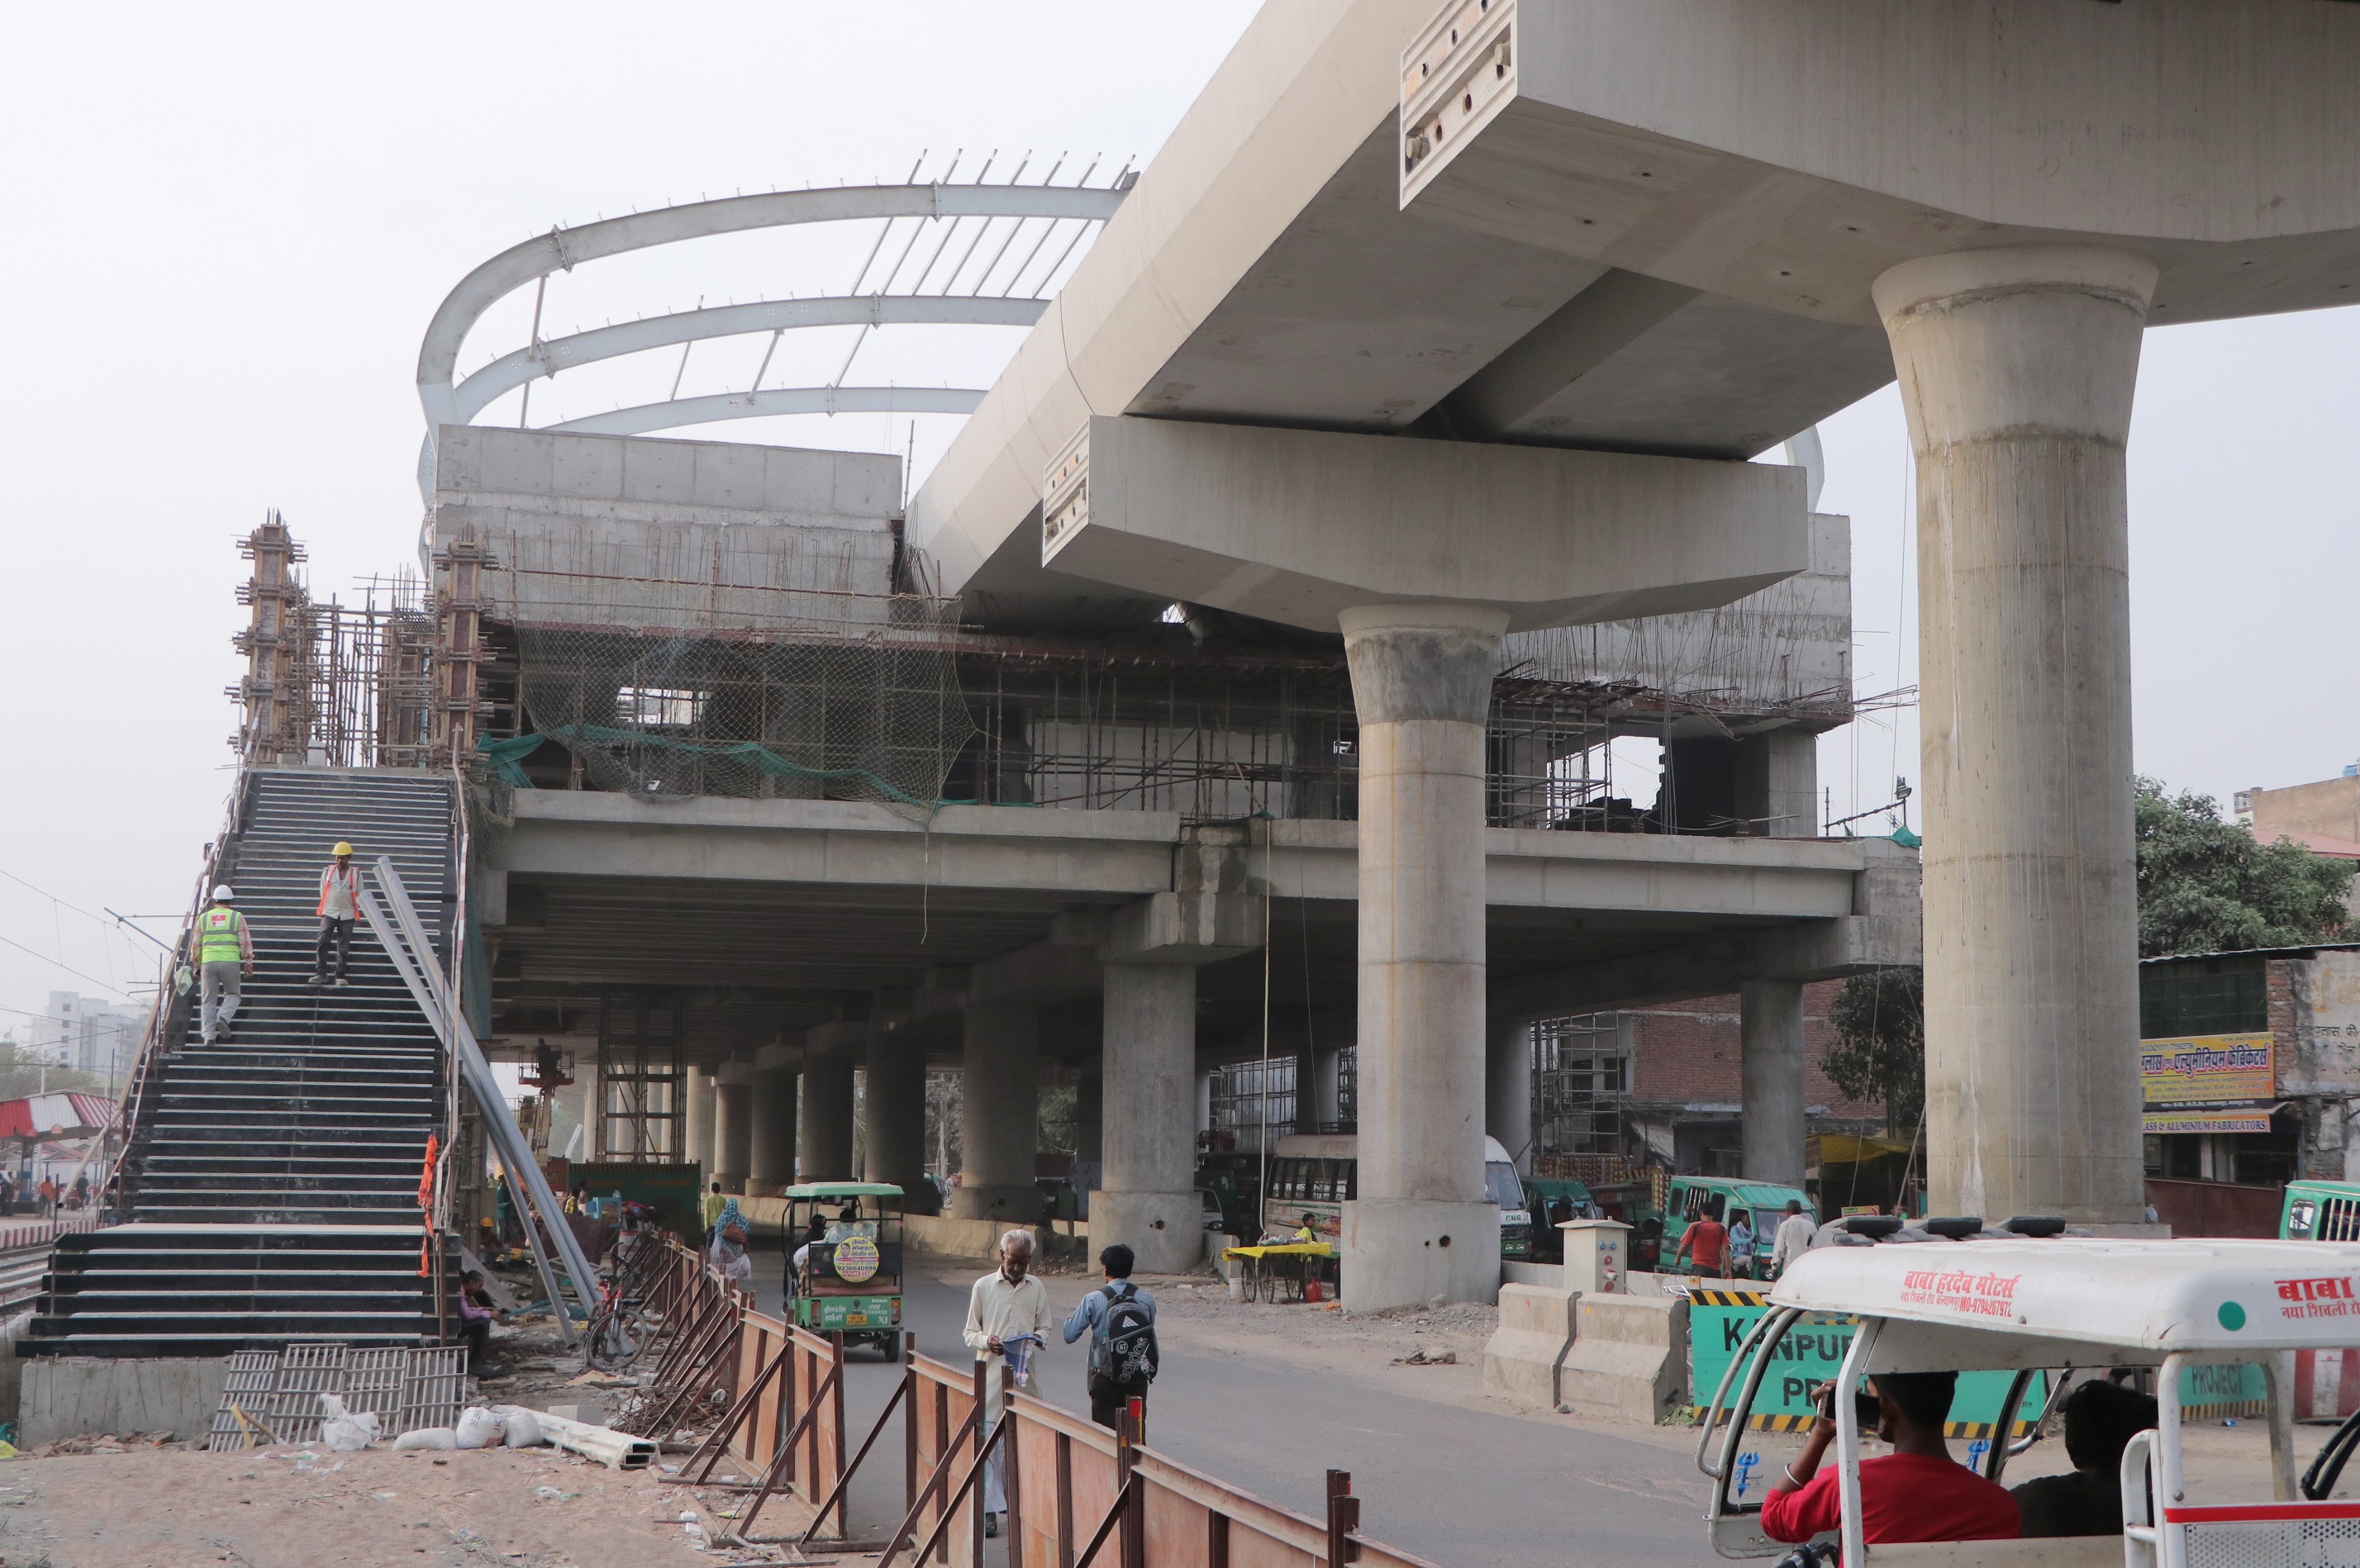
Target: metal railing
(168, 1016)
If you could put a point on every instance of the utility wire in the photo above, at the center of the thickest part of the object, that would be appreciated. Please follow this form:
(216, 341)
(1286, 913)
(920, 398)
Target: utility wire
(54, 898)
(107, 985)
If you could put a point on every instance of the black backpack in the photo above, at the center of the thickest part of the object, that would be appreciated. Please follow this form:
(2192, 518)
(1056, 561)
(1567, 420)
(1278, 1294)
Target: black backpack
(1124, 1350)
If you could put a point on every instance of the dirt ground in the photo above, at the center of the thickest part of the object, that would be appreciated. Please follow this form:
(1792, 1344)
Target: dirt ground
(504, 1508)
(131, 1503)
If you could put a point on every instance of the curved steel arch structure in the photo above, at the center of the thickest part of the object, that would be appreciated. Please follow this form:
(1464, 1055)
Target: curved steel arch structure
(510, 371)
(721, 406)
(445, 400)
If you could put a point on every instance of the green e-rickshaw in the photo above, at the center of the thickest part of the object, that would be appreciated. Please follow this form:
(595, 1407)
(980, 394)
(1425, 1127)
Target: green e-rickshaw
(848, 1280)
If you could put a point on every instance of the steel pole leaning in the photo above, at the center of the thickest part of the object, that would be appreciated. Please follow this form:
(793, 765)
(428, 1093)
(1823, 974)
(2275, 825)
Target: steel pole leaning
(514, 1150)
(425, 996)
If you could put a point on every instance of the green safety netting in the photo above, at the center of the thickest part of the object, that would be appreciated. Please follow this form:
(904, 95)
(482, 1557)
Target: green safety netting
(506, 755)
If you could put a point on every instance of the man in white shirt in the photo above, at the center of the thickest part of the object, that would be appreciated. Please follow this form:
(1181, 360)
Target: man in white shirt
(340, 892)
(1006, 1307)
(1794, 1236)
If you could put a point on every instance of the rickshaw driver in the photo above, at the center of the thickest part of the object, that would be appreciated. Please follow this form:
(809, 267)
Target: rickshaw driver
(1916, 1493)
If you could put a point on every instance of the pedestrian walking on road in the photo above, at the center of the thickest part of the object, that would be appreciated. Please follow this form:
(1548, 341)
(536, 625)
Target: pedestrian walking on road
(1794, 1238)
(713, 1203)
(1740, 1247)
(340, 899)
(225, 960)
(1007, 1315)
(1705, 1243)
(1120, 1321)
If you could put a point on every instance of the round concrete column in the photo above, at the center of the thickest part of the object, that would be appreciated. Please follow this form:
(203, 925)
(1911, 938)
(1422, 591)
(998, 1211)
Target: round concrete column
(2016, 370)
(774, 1163)
(1508, 1091)
(696, 1090)
(826, 1146)
(893, 1118)
(1420, 1227)
(1770, 1070)
(1000, 1129)
(732, 1116)
(1148, 1199)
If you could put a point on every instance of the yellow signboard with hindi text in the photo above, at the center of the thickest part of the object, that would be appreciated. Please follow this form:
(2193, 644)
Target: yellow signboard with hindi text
(2209, 1069)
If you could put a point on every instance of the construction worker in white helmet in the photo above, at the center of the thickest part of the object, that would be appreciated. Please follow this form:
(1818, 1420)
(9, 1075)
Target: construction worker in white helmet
(340, 897)
(225, 959)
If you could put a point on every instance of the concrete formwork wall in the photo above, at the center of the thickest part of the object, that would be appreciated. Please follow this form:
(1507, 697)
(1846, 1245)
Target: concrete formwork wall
(70, 1395)
(613, 531)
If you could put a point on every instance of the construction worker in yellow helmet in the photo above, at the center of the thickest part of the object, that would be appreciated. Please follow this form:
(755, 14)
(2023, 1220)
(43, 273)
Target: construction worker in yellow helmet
(340, 899)
(224, 958)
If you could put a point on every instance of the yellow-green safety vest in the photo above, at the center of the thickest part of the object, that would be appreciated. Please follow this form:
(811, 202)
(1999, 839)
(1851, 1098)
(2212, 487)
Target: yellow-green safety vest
(217, 930)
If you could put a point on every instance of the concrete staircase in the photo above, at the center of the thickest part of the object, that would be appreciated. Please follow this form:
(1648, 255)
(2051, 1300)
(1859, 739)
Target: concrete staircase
(270, 1189)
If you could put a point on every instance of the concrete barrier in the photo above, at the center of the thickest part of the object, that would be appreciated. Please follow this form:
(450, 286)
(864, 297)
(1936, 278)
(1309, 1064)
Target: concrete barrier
(72, 1396)
(1522, 1358)
(1629, 1357)
(1549, 1276)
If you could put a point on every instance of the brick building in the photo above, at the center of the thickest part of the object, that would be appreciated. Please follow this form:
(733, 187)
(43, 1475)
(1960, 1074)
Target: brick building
(1617, 1095)
(2253, 1073)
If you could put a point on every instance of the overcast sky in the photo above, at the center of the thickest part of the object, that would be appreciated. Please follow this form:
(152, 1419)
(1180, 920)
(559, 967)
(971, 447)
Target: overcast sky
(228, 227)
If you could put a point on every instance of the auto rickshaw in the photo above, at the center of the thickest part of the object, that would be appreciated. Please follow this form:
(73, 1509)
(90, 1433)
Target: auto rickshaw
(2027, 1306)
(849, 1281)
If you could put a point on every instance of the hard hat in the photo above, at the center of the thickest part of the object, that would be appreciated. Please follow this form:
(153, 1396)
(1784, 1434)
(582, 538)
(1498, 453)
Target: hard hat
(221, 894)
(342, 849)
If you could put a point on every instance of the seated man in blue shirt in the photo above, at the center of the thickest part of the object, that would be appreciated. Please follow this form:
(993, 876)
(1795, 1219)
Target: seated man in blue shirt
(1120, 1321)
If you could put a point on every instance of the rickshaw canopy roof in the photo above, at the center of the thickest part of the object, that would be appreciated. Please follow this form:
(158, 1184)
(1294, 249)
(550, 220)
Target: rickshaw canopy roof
(844, 1190)
(2242, 1298)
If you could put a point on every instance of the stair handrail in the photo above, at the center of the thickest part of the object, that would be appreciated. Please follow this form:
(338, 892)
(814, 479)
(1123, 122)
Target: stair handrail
(160, 1013)
(437, 1000)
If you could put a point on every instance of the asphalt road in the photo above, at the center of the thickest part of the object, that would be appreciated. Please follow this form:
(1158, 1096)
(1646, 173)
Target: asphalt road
(1460, 1486)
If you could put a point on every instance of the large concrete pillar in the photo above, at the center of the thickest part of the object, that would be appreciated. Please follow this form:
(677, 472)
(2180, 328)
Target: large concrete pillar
(697, 1089)
(1089, 1118)
(2016, 370)
(1148, 1199)
(1508, 1091)
(1421, 1227)
(1000, 1133)
(733, 1118)
(827, 1145)
(894, 1124)
(773, 1166)
(1770, 1070)
(1778, 783)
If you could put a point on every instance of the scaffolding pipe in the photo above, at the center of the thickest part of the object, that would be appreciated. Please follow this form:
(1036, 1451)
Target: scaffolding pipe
(450, 1022)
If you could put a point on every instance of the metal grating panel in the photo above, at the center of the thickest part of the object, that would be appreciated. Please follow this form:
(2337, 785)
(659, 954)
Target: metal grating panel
(435, 1384)
(373, 1384)
(306, 1372)
(247, 1393)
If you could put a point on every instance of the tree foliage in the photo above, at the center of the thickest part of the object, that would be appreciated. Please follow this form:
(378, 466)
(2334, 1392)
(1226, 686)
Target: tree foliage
(23, 1072)
(1880, 1049)
(2205, 885)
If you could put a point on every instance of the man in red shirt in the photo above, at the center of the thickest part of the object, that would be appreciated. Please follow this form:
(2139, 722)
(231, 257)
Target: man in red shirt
(1915, 1493)
(1707, 1242)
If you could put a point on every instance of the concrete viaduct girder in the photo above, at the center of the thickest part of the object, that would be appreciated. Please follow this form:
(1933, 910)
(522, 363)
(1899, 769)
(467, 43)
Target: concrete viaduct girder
(1109, 858)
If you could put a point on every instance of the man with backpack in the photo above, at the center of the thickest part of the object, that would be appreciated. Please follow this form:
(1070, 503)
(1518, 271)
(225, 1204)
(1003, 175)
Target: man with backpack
(1121, 1321)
